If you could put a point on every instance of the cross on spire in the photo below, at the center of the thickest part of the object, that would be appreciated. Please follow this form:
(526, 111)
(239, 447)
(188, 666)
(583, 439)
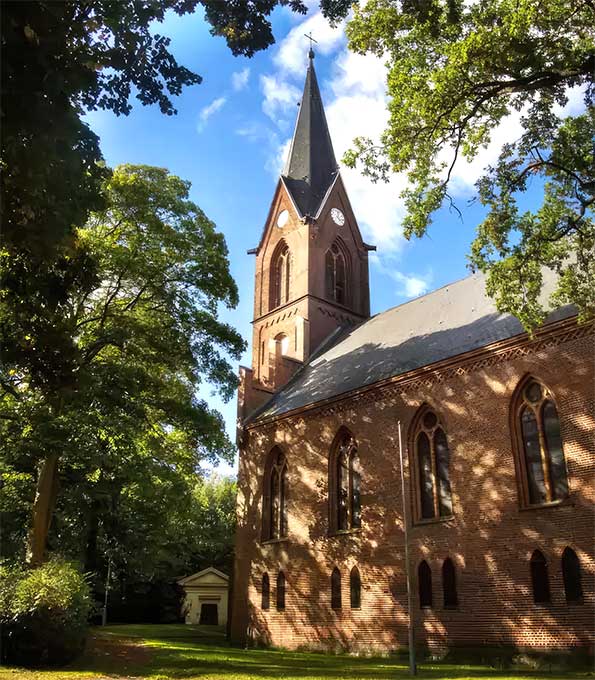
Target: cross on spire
(311, 39)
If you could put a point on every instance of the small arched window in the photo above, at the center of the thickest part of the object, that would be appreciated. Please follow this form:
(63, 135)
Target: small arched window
(336, 589)
(424, 583)
(266, 591)
(432, 467)
(542, 460)
(449, 584)
(336, 267)
(345, 483)
(280, 281)
(281, 591)
(540, 581)
(355, 589)
(275, 496)
(571, 574)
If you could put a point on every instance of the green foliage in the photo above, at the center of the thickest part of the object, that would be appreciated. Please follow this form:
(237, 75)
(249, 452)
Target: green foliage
(43, 613)
(455, 71)
(125, 413)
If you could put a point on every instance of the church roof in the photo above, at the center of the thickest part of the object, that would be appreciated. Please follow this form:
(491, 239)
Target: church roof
(448, 322)
(311, 167)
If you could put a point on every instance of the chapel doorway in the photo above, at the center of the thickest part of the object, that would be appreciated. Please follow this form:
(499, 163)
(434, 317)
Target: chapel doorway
(209, 615)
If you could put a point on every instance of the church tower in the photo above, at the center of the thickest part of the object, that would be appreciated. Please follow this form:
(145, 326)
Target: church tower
(311, 262)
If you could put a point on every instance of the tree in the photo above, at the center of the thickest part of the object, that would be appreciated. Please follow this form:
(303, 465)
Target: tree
(456, 70)
(142, 340)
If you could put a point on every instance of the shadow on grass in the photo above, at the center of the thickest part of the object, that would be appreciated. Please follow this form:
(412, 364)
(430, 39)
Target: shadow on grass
(198, 651)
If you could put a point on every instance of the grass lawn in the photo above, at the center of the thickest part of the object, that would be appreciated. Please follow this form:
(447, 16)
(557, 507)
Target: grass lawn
(192, 652)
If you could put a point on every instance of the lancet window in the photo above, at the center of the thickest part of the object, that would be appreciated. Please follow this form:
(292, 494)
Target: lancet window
(336, 589)
(355, 589)
(280, 276)
(275, 496)
(336, 268)
(432, 468)
(541, 453)
(345, 484)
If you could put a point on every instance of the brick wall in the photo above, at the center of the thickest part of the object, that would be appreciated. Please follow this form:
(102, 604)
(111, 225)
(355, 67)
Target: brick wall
(490, 539)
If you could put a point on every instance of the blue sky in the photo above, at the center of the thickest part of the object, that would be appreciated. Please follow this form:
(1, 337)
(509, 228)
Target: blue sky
(231, 134)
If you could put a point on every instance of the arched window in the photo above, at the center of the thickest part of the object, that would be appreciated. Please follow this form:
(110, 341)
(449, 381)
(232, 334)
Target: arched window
(345, 484)
(336, 589)
(424, 584)
(275, 496)
(449, 584)
(280, 281)
(266, 591)
(571, 574)
(336, 268)
(543, 468)
(281, 591)
(355, 589)
(432, 468)
(540, 581)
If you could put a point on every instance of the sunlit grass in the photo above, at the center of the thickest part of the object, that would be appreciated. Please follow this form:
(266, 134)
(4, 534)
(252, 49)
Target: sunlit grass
(193, 652)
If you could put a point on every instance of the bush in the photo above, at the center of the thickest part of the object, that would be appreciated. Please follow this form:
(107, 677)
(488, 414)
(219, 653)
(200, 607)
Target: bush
(43, 613)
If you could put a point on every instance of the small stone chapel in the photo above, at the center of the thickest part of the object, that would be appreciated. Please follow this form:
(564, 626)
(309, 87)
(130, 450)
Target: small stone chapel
(496, 429)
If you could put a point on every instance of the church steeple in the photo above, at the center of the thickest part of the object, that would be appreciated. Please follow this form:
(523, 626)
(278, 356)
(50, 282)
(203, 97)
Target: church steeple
(311, 167)
(311, 277)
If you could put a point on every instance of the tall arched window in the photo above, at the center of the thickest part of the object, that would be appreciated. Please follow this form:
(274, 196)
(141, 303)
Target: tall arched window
(432, 467)
(571, 574)
(280, 281)
(281, 591)
(540, 581)
(449, 584)
(266, 591)
(275, 496)
(424, 584)
(336, 268)
(336, 589)
(345, 484)
(543, 467)
(355, 589)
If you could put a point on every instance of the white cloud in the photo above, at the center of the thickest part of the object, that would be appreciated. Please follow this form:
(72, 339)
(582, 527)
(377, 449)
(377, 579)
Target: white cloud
(209, 111)
(280, 98)
(239, 79)
(411, 286)
(292, 56)
(575, 104)
(408, 285)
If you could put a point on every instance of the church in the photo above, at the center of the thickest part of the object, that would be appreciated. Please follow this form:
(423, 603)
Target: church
(491, 513)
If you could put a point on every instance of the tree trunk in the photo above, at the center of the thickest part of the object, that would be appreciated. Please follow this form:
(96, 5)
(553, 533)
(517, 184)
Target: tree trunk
(91, 554)
(43, 509)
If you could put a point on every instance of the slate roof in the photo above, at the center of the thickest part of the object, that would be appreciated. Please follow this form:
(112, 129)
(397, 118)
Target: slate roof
(311, 165)
(448, 322)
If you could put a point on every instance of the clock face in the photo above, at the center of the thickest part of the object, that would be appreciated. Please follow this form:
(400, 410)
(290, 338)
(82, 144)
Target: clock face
(338, 217)
(282, 219)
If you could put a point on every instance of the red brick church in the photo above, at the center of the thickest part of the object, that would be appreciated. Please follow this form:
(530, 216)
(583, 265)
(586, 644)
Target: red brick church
(497, 440)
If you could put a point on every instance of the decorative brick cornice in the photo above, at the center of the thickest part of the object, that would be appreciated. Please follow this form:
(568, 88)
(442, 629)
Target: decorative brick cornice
(510, 349)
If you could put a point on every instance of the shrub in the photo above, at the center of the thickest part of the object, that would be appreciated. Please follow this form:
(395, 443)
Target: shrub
(43, 613)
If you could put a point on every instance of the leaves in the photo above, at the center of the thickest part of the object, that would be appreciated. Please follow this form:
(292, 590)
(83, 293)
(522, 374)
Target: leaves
(143, 334)
(455, 71)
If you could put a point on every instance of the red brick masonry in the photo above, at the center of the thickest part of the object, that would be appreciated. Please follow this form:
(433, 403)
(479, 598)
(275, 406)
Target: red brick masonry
(490, 539)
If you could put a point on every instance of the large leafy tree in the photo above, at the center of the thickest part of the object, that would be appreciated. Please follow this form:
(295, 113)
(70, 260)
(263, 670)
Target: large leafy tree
(456, 70)
(144, 336)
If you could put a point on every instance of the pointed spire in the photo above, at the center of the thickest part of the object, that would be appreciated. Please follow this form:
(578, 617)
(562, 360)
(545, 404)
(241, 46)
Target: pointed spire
(311, 167)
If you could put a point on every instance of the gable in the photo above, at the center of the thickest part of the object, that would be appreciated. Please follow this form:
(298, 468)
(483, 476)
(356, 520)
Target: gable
(206, 577)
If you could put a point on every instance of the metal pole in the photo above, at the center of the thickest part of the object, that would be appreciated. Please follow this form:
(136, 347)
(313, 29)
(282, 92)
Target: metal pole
(107, 582)
(411, 637)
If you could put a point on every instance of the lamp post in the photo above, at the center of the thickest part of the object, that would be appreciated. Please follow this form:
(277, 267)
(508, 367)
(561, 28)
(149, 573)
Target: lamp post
(411, 635)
